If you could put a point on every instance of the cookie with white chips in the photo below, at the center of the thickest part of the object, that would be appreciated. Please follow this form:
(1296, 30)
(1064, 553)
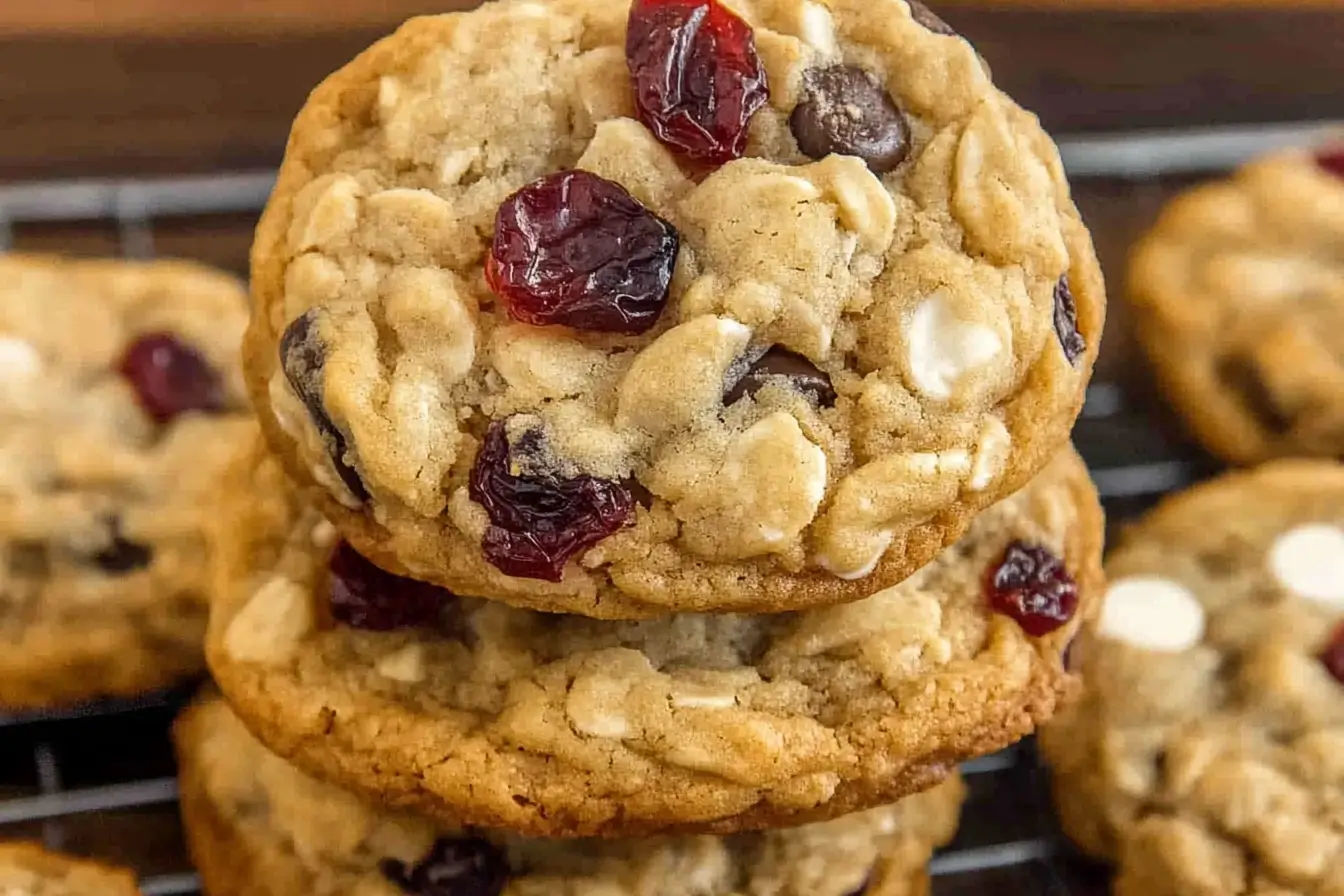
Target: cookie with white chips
(1207, 756)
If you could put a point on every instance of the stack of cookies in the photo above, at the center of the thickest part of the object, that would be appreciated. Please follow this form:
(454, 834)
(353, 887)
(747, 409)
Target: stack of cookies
(665, 465)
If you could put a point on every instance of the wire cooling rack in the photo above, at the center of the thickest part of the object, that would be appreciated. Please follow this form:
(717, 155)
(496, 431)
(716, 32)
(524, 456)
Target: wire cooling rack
(99, 779)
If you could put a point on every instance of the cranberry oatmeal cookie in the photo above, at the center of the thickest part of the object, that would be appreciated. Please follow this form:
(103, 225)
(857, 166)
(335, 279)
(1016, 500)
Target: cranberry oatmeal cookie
(121, 400)
(684, 305)
(1239, 300)
(26, 869)
(475, 712)
(260, 827)
(1207, 756)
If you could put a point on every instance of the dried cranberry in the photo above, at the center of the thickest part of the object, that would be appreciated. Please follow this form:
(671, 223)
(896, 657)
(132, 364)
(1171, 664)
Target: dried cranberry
(1031, 585)
(1333, 654)
(465, 867)
(541, 519)
(1332, 159)
(575, 249)
(171, 378)
(364, 596)
(1066, 321)
(697, 77)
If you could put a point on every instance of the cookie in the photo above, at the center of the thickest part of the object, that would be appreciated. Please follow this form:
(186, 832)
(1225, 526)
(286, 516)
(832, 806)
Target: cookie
(475, 712)
(257, 826)
(1207, 755)
(26, 869)
(1238, 296)
(541, 323)
(121, 400)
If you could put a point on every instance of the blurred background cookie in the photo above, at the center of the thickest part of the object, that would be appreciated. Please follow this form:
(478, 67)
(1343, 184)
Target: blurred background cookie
(120, 401)
(27, 869)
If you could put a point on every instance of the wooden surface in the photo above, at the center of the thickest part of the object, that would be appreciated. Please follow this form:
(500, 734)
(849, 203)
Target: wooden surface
(88, 104)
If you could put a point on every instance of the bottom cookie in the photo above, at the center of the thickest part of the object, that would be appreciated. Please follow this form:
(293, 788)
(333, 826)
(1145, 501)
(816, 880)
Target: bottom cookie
(259, 827)
(27, 869)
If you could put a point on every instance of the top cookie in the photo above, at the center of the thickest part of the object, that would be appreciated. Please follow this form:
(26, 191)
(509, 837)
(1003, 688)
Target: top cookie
(1208, 752)
(555, 315)
(121, 400)
(1239, 299)
(29, 870)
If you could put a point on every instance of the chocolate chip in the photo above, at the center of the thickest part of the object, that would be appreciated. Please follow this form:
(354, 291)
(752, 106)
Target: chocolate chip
(846, 111)
(1066, 321)
(465, 867)
(929, 19)
(1243, 378)
(802, 374)
(122, 555)
(302, 355)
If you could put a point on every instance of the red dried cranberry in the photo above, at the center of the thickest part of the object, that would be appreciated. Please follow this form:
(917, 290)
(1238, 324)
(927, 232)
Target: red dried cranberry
(364, 596)
(697, 77)
(577, 250)
(465, 867)
(1332, 159)
(1333, 655)
(541, 519)
(1031, 585)
(171, 378)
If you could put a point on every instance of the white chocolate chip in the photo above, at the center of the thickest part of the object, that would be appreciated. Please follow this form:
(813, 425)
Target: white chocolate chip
(692, 695)
(324, 534)
(1153, 613)
(991, 454)
(406, 665)
(816, 28)
(943, 348)
(766, 492)
(865, 205)
(19, 361)
(1309, 562)
(273, 623)
(679, 378)
(455, 163)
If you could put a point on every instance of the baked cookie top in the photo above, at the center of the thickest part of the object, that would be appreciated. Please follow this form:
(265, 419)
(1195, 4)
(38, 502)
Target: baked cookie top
(476, 712)
(260, 827)
(680, 305)
(1239, 298)
(26, 869)
(1210, 741)
(121, 399)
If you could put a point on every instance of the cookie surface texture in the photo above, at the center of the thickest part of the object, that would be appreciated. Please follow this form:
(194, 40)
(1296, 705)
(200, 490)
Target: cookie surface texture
(260, 827)
(540, 323)
(479, 713)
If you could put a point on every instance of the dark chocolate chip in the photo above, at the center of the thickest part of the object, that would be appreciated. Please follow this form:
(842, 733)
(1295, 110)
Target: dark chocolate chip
(929, 19)
(1243, 378)
(466, 867)
(302, 355)
(802, 374)
(845, 110)
(1066, 321)
(638, 491)
(121, 555)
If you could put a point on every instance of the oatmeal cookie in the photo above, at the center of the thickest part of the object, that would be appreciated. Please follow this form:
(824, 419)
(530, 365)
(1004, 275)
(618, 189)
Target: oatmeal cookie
(121, 400)
(681, 305)
(476, 712)
(259, 827)
(26, 869)
(1207, 755)
(1238, 294)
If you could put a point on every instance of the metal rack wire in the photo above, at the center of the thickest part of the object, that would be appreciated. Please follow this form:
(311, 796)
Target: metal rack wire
(99, 779)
